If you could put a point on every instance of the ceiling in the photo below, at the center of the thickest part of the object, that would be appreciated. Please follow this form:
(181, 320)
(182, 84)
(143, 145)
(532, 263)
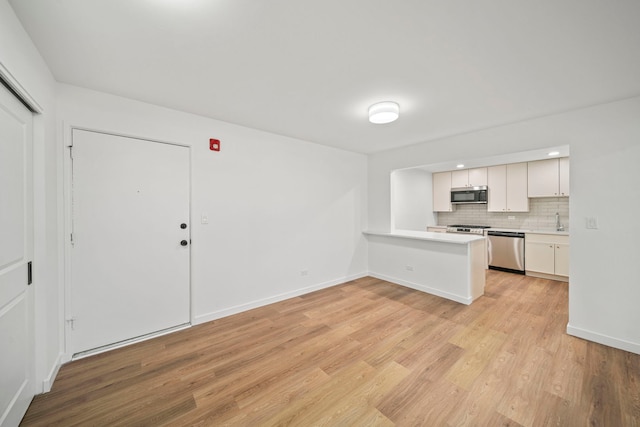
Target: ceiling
(310, 69)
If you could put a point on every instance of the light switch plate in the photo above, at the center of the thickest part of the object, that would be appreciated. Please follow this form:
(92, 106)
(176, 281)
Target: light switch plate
(592, 222)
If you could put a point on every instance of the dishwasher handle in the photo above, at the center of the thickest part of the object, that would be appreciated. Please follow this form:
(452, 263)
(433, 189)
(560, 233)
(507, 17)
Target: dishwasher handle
(506, 234)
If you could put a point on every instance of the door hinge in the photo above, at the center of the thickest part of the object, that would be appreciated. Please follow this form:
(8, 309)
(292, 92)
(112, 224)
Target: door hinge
(30, 273)
(71, 239)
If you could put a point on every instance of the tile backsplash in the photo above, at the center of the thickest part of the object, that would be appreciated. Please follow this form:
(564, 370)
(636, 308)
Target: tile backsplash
(541, 215)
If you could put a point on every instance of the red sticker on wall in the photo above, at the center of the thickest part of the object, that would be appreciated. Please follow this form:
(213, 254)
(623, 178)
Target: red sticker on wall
(214, 144)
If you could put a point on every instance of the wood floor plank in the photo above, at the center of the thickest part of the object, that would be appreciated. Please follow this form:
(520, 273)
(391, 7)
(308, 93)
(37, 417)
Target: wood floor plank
(256, 409)
(367, 352)
(479, 353)
(362, 400)
(557, 411)
(567, 370)
(521, 400)
(312, 406)
(481, 401)
(433, 406)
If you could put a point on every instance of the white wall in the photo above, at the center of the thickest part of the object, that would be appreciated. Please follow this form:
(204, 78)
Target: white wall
(411, 203)
(276, 206)
(22, 61)
(605, 152)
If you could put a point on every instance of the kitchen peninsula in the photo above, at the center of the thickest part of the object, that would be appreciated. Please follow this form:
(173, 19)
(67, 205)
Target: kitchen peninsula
(451, 266)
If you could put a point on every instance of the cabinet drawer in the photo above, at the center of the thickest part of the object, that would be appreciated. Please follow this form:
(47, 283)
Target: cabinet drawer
(547, 238)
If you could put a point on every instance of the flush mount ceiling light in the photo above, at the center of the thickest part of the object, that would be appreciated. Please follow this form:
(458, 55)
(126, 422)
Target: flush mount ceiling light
(460, 166)
(384, 112)
(554, 153)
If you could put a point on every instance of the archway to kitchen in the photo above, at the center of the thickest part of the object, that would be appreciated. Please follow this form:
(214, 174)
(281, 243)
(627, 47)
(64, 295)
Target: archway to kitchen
(415, 199)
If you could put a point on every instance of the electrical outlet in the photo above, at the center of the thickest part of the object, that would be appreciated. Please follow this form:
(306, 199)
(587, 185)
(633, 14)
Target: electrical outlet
(592, 223)
(304, 272)
(204, 218)
(511, 217)
(409, 268)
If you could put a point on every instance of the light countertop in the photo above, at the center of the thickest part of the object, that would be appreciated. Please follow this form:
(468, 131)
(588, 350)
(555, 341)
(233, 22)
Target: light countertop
(521, 230)
(516, 230)
(460, 239)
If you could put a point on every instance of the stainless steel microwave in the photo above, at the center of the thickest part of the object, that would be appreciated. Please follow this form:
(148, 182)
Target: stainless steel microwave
(465, 195)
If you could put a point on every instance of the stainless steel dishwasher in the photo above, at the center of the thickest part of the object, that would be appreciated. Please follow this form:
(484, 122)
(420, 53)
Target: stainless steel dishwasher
(506, 251)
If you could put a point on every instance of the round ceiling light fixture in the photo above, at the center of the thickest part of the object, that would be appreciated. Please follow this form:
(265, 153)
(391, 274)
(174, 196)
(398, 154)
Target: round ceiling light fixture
(384, 112)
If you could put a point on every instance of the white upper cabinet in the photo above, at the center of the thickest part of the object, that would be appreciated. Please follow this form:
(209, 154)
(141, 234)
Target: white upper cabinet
(564, 176)
(477, 177)
(459, 179)
(469, 177)
(549, 178)
(517, 199)
(507, 188)
(510, 186)
(497, 193)
(442, 192)
(543, 178)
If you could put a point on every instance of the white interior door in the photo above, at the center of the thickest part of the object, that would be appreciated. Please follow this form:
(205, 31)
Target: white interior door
(16, 249)
(130, 249)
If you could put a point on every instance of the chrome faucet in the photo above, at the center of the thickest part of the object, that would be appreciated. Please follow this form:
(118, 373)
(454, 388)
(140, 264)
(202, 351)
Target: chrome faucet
(559, 227)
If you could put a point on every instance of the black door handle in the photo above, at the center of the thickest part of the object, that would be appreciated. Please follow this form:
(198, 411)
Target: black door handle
(183, 225)
(184, 243)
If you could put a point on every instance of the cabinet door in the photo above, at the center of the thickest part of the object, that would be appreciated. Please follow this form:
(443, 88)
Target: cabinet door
(497, 183)
(460, 178)
(517, 197)
(564, 176)
(477, 177)
(540, 257)
(543, 178)
(561, 259)
(442, 192)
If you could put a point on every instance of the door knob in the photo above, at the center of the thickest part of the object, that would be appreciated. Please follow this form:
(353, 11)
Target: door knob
(184, 243)
(183, 225)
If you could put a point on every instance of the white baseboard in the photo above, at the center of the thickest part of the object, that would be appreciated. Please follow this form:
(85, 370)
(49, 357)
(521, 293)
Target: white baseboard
(423, 288)
(47, 383)
(134, 340)
(548, 276)
(604, 339)
(207, 317)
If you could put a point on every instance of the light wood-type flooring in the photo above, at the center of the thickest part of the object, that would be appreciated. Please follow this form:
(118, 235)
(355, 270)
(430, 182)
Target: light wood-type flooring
(365, 353)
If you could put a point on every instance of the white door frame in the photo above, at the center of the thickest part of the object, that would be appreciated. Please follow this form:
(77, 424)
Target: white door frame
(21, 93)
(68, 230)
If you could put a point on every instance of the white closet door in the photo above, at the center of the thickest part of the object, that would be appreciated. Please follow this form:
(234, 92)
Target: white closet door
(16, 250)
(131, 245)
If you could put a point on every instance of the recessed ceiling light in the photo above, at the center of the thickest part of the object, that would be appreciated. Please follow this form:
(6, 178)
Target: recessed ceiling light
(384, 112)
(460, 166)
(553, 153)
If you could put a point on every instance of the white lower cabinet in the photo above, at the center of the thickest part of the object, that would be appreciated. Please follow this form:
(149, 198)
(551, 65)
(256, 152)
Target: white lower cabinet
(562, 259)
(540, 257)
(547, 255)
